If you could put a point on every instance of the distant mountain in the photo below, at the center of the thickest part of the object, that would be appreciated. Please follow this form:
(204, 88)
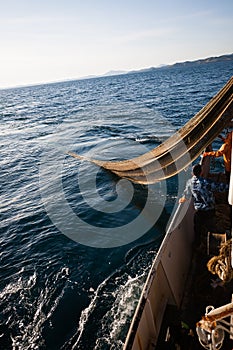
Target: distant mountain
(107, 74)
(187, 63)
(114, 72)
(205, 60)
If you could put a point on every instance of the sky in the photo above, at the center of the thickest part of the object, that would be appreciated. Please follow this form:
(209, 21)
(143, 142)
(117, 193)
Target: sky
(55, 40)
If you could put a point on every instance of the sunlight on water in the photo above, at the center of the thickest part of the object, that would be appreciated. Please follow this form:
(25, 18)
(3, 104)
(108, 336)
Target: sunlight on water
(30, 314)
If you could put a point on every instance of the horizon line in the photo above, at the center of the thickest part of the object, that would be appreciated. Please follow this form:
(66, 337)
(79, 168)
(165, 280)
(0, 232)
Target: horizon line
(117, 72)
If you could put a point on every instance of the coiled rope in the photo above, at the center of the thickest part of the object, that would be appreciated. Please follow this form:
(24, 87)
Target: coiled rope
(221, 265)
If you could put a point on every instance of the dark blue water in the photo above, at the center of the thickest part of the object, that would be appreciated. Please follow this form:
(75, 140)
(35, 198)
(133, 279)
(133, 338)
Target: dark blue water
(72, 263)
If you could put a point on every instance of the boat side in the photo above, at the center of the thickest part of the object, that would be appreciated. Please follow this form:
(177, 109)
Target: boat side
(165, 282)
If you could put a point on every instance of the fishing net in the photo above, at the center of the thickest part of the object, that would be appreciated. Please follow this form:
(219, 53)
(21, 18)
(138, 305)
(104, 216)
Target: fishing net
(181, 149)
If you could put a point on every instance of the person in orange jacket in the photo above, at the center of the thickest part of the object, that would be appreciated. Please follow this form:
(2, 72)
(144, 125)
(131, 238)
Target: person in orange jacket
(225, 152)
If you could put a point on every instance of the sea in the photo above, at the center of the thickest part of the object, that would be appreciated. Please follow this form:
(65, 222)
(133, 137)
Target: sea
(76, 241)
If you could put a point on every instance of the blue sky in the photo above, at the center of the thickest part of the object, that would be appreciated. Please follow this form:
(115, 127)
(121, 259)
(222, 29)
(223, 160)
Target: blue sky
(48, 40)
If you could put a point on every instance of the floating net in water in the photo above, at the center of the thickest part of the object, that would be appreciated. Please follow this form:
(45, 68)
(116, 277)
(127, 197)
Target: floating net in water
(181, 149)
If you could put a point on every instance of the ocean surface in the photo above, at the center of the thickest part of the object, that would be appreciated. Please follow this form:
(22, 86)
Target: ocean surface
(75, 242)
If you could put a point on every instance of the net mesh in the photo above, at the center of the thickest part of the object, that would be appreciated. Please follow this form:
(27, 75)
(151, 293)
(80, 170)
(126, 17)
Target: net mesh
(181, 149)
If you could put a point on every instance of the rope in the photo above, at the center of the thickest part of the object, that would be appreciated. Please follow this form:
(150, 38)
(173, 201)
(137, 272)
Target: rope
(221, 265)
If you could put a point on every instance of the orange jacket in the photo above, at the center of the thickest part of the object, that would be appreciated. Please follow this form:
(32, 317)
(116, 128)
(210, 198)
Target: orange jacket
(225, 152)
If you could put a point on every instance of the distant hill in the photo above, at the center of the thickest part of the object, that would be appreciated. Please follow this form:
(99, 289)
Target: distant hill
(207, 60)
(114, 72)
(188, 63)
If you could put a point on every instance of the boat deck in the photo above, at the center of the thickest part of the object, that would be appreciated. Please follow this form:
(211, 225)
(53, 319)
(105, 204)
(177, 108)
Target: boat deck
(202, 288)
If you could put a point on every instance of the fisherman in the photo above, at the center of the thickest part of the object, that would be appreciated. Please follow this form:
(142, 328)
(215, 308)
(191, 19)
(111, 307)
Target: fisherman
(202, 190)
(225, 152)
